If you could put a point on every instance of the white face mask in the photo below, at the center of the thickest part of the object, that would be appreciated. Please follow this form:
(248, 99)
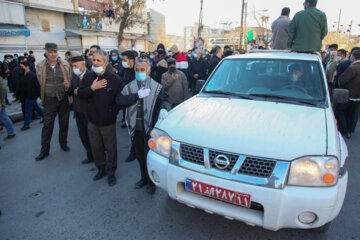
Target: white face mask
(77, 71)
(125, 65)
(338, 58)
(294, 78)
(98, 69)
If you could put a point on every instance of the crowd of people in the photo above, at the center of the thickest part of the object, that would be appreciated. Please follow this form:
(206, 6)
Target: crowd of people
(144, 86)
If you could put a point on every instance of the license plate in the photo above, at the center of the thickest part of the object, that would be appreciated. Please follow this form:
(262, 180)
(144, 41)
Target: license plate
(238, 198)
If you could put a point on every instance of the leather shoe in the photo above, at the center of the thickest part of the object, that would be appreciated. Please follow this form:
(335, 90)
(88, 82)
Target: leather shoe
(41, 156)
(131, 157)
(151, 189)
(24, 128)
(9, 137)
(100, 174)
(111, 180)
(65, 148)
(86, 161)
(140, 184)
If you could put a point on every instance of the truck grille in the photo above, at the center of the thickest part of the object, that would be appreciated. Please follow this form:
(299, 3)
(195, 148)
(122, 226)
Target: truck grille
(251, 166)
(257, 167)
(233, 159)
(192, 154)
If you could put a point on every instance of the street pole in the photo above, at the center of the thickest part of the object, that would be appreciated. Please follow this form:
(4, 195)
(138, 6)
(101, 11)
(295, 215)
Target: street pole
(339, 20)
(242, 22)
(245, 27)
(350, 27)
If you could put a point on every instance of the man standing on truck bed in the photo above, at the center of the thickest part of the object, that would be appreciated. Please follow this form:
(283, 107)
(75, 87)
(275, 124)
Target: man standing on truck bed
(307, 29)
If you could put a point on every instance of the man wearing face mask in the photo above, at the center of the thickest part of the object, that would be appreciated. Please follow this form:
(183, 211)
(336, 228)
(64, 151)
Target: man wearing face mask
(175, 83)
(54, 77)
(197, 69)
(79, 69)
(116, 60)
(99, 88)
(146, 102)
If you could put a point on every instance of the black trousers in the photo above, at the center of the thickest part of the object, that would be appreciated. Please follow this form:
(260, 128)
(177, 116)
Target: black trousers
(345, 114)
(100, 138)
(141, 150)
(53, 107)
(82, 125)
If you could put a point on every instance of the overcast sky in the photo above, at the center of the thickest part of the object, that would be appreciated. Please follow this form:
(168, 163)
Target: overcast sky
(180, 13)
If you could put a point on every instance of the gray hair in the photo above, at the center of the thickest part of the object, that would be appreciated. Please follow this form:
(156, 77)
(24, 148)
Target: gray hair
(103, 53)
(143, 61)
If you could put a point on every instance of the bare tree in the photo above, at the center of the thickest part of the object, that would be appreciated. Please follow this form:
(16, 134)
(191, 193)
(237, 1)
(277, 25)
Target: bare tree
(263, 32)
(126, 13)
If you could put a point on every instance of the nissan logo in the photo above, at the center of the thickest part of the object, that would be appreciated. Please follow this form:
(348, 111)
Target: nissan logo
(222, 162)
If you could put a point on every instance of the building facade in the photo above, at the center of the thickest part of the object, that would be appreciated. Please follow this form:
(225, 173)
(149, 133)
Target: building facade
(157, 28)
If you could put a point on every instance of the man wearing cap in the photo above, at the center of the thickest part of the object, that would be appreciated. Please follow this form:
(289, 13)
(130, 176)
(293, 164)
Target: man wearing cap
(54, 77)
(79, 70)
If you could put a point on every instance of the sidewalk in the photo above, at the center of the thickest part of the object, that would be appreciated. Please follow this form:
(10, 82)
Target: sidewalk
(14, 110)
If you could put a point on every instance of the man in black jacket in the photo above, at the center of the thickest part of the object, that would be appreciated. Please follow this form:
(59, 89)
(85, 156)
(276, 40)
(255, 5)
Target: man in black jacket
(145, 101)
(79, 69)
(99, 88)
(215, 59)
(30, 89)
(197, 69)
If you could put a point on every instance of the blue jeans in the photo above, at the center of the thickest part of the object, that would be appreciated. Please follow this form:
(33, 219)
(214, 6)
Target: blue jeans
(29, 105)
(7, 122)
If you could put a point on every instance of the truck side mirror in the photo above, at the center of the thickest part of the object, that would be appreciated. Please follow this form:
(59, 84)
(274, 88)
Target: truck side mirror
(340, 95)
(199, 85)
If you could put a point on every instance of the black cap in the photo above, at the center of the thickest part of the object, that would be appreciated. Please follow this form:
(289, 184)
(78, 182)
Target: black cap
(51, 46)
(171, 61)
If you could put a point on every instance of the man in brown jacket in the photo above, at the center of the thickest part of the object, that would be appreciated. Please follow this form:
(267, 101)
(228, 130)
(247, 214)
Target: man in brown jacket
(346, 113)
(175, 83)
(54, 77)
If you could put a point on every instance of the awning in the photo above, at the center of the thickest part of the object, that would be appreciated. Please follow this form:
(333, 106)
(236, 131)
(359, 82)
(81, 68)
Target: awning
(13, 31)
(90, 33)
(145, 38)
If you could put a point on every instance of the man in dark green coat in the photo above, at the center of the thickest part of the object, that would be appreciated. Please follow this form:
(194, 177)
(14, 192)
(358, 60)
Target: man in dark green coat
(307, 29)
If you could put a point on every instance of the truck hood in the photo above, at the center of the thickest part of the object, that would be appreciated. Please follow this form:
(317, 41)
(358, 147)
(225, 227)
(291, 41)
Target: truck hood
(256, 128)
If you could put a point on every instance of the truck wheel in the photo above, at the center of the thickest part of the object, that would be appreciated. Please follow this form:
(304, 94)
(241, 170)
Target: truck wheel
(324, 228)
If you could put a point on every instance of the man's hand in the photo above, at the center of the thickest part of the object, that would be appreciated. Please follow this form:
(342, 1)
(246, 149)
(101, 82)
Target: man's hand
(76, 91)
(196, 76)
(163, 114)
(175, 76)
(143, 93)
(96, 85)
(66, 84)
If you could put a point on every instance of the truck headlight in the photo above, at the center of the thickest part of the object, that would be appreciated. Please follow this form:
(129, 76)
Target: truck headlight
(160, 142)
(314, 172)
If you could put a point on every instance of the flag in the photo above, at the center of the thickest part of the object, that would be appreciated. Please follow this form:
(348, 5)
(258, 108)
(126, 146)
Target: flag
(250, 35)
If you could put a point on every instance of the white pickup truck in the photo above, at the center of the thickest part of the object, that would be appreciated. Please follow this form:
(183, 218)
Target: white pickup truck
(258, 144)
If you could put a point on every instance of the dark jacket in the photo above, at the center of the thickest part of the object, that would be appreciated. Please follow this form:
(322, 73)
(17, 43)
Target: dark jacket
(340, 70)
(176, 89)
(101, 106)
(127, 75)
(214, 61)
(159, 70)
(117, 65)
(307, 30)
(17, 73)
(198, 67)
(29, 87)
(350, 80)
(75, 83)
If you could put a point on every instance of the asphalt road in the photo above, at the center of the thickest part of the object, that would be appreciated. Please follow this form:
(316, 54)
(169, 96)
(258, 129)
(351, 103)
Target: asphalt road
(57, 199)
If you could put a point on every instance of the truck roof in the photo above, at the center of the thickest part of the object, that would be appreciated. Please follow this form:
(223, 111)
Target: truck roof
(278, 55)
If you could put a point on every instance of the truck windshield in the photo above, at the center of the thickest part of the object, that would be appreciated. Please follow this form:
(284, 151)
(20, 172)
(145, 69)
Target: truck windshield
(270, 79)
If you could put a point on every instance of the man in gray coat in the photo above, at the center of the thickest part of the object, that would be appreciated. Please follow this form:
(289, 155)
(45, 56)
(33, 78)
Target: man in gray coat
(280, 29)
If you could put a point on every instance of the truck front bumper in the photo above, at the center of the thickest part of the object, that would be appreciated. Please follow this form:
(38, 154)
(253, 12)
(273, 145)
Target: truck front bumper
(280, 207)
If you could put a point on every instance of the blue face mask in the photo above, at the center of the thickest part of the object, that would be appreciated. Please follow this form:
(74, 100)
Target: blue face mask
(151, 57)
(114, 58)
(120, 56)
(194, 55)
(140, 76)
